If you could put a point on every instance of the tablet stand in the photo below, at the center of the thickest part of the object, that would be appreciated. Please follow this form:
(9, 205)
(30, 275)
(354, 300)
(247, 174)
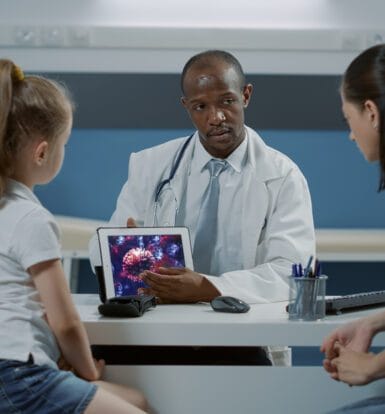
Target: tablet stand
(101, 285)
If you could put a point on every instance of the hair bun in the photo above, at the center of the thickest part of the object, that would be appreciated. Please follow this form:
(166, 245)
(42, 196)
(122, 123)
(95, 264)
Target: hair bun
(17, 73)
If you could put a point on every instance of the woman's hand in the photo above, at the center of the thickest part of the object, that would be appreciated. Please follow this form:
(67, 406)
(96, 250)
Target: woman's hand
(356, 336)
(353, 368)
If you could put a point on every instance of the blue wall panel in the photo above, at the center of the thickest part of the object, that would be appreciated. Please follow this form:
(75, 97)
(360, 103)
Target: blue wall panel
(343, 185)
(94, 170)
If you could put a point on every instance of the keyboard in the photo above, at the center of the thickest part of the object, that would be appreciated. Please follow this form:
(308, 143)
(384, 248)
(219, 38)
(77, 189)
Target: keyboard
(357, 301)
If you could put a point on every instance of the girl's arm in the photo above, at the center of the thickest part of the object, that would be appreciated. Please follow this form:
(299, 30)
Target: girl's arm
(64, 319)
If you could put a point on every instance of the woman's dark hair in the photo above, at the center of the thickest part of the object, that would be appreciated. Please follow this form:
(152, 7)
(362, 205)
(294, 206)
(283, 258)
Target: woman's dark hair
(365, 79)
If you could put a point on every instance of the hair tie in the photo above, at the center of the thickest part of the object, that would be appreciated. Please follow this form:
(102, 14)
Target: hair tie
(17, 73)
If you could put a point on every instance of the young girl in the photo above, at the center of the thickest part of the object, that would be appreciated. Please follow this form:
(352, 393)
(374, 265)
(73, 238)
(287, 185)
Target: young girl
(38, 320)
(363, 103)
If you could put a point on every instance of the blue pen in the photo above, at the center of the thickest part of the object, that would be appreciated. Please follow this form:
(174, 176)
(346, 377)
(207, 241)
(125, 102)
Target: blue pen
(300, 271)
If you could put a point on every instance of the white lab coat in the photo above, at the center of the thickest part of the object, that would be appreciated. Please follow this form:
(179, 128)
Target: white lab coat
(276, 224)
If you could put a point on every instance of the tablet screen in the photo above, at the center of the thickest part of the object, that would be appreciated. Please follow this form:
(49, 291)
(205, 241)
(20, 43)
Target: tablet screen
(126, 253)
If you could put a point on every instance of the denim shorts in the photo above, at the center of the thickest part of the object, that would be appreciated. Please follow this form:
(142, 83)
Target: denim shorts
(26, 388)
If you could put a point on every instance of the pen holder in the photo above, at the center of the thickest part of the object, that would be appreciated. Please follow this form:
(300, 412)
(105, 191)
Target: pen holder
(307, 298)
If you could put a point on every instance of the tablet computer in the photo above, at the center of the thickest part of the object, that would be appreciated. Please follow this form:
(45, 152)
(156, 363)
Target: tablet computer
(127, 252)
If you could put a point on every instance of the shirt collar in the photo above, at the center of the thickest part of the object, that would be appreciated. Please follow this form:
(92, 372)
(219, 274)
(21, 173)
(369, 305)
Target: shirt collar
(236, 159)
(20, 190)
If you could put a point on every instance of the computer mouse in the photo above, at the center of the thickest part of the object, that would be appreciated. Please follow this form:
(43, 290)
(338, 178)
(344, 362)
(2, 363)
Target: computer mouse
(229, 304)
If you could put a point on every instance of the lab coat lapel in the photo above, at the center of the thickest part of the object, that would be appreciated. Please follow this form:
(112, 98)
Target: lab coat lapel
(255, 205)
(255, 196)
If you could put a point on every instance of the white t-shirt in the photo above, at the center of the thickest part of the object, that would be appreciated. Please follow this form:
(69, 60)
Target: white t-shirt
(28, 235)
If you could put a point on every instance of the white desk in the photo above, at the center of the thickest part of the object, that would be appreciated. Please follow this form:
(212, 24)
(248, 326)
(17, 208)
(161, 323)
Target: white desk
(224, 389)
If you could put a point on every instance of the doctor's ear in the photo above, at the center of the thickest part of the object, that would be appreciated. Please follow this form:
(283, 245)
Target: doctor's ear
(246, 94)
(373, 113)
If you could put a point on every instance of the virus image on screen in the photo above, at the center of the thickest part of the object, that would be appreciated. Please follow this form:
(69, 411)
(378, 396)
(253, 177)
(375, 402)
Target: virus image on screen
(131, 255)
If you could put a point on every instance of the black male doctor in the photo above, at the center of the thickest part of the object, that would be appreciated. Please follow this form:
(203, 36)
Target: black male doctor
(263, 213)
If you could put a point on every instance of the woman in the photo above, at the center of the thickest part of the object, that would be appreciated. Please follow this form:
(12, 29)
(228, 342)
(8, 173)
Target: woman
(363, 104)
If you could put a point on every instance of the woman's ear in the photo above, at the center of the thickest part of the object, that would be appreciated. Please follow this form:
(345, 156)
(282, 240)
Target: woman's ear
(40, 154)
(374, 115)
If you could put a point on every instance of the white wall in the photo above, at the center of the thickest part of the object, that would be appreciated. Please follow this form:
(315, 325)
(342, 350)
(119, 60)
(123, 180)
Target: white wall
(271, 36)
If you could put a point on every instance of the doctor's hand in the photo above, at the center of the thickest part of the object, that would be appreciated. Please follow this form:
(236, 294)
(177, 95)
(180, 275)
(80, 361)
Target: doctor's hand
(131, 222)
(178, 285)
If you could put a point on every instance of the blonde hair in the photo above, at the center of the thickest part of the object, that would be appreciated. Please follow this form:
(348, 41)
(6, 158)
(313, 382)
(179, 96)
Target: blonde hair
(30, 106)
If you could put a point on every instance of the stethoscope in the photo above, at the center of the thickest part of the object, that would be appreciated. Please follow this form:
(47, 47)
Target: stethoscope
(174, 169)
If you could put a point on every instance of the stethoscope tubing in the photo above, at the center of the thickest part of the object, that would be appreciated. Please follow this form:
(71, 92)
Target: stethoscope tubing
(174, 168)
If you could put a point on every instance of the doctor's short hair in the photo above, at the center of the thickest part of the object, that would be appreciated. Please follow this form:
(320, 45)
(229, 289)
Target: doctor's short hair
(364, 79)
(208, 59)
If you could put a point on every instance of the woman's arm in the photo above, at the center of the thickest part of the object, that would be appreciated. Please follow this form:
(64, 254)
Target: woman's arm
(64, 319)
(356, 335)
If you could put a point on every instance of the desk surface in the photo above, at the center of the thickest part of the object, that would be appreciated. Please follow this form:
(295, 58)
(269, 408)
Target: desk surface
(198, 324)
(241, 388)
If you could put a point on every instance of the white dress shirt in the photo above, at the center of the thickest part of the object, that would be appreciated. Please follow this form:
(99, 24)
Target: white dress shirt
(228, 240)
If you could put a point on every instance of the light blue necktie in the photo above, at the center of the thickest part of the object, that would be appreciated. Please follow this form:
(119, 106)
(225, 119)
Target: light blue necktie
(206, 233)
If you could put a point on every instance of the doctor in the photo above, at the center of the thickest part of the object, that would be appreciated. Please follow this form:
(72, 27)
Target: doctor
(260, 220)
